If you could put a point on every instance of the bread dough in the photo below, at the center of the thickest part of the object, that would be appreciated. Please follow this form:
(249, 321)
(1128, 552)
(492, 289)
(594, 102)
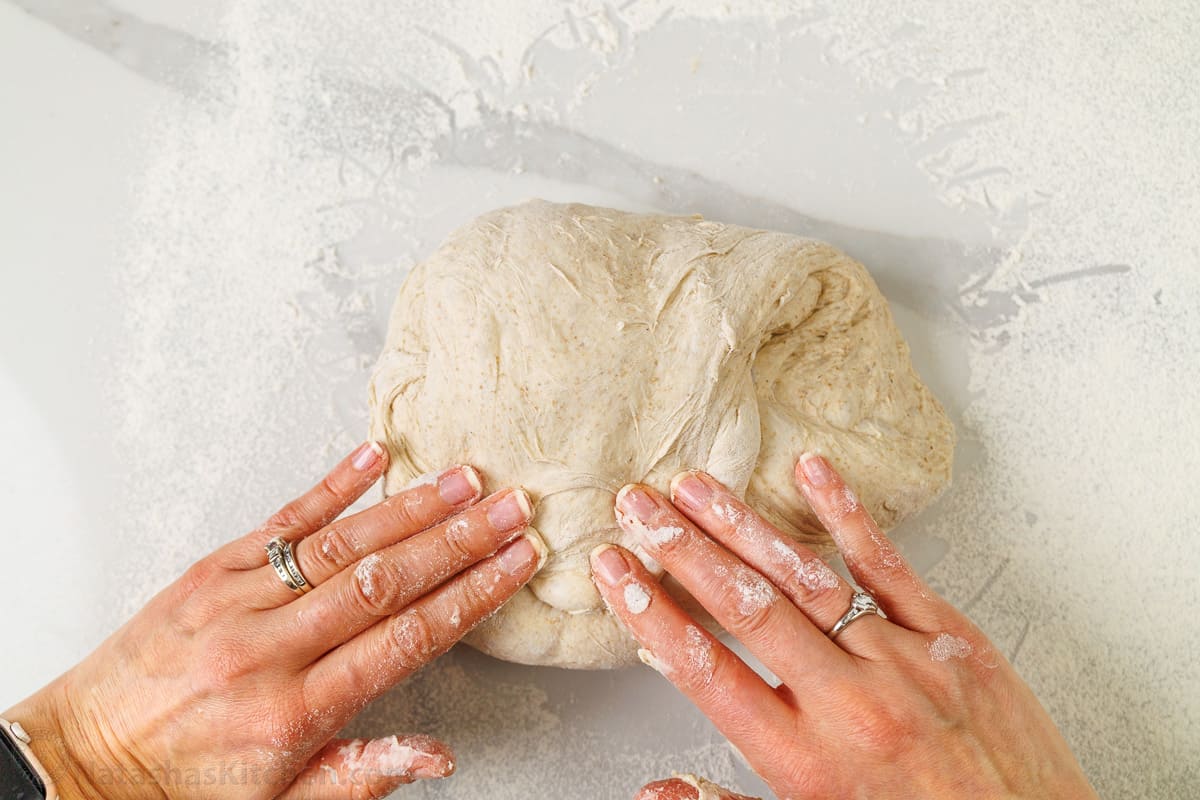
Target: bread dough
(571, 350)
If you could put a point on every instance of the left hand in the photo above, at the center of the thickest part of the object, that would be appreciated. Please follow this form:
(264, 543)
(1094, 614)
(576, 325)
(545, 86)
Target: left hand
(227, 684)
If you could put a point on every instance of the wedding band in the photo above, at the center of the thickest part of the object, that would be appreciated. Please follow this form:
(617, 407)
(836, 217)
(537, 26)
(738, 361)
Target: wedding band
(860, 605)
(283, 560)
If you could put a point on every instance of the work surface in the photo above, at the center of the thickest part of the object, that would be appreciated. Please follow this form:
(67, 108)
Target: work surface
(206, 218)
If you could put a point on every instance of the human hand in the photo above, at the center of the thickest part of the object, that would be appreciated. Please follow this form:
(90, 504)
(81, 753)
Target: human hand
(916, 705)
(228, 683)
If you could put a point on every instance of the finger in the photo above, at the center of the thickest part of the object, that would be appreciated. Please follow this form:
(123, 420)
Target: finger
(723, 687)
(387, 653)
(798, 572)
(330, 550)
(741, 599)
(423, 503)
(365, 769)
(387, 581)
(870, 556)
(687, 788)
(312, 510)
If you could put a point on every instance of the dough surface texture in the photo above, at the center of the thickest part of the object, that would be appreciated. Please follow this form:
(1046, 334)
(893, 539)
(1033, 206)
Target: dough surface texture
(570, 350)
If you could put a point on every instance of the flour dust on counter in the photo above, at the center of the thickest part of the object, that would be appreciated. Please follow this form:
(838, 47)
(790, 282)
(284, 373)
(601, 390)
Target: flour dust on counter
(1047, 295)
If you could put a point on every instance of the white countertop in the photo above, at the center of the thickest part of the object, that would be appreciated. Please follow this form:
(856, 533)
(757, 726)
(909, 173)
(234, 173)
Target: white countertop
(207, 213)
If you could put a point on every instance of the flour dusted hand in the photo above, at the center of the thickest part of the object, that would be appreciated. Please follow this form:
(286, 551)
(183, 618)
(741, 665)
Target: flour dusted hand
(231, 684)
(915, 705)
(572, 349)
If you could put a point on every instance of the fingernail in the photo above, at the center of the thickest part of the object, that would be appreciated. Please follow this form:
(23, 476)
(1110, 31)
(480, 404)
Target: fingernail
(687, 489)
(635, 502)
(515, 558)
(608, 565)
(539, 545)
(510, 512)
(427, 767)
(816, 470)
(458, 485)
(368, 455)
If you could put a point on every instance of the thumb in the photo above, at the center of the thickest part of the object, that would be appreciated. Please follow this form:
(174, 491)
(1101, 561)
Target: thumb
(687, 787)
(366, 769)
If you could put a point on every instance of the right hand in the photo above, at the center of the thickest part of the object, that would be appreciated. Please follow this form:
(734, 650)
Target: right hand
(917, 704)
(227, 675)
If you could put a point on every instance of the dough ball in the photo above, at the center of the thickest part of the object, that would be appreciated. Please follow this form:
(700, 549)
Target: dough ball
(572, 350)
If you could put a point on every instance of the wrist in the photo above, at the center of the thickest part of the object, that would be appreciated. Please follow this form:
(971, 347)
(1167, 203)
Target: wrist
(59, 748)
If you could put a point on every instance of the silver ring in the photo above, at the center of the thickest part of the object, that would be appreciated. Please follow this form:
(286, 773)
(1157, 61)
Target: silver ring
(281, 557)
(860, 605)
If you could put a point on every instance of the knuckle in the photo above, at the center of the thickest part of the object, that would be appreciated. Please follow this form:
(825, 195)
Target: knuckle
(286, 518)
(225, 662)
(414, 640)
(757, 625)
(286, 732)
(810, 578)
(745, 600)
(887, 732)
(484, 590)
(378, 584)
(697, 669)
(458, 541)
(329, 490)
(197, 576)
(333, 549)
(404, 511)
(355, 683)
(713, 681)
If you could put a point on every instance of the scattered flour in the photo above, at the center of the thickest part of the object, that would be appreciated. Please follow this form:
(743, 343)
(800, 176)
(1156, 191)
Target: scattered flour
(410, 636)
(637, 599)
(745, 523)
(662, 534)
(655, 534)
(698, 653)
(846, 502)
(754, 592)
(256, 243)
(811, 573)
(397, 759)
(368, 573)
(327, 547)
(946, 647)
(729, 513)
(389, 756)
